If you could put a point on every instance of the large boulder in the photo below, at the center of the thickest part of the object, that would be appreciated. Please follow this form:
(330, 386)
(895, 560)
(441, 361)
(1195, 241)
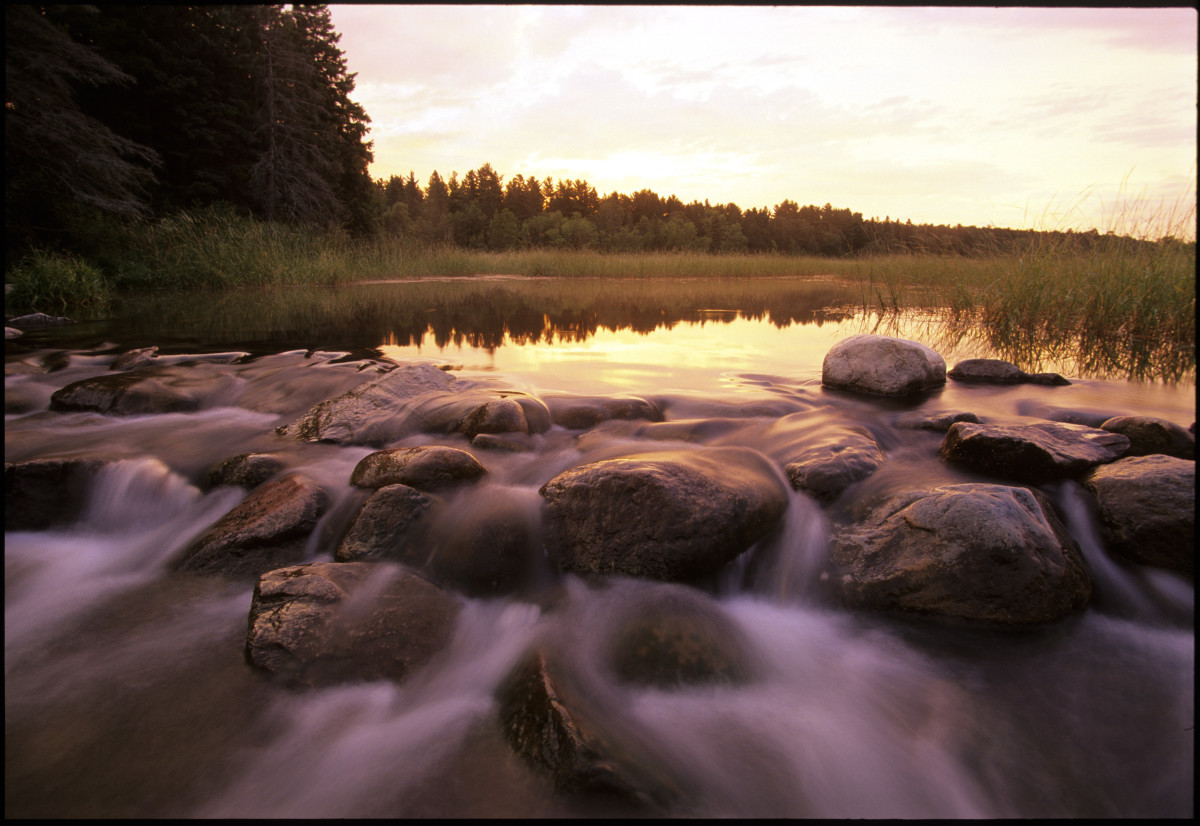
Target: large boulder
(1148, 435)
(426, 467)
(670, 515)
(882, 365)
(374, 413)
(582, 412)
(43, 493)
(844, 456)
(155, 389)
(328, 622)
(1031, 453)
(268, 529)
(384, 527)
(1147, 507)
(977, 552)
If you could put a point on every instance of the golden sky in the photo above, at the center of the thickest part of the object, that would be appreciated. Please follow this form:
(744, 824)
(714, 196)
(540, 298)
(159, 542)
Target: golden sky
(1021, 117)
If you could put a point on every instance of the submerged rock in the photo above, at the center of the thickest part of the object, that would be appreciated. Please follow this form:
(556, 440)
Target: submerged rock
(882, 365)
(1031, 453)
(134, 359)
(670, 515)
(510, 414)
(154, 389)
(978, 552)
(43, 493)
(582, 412)
(998, 371)
(1147, 508)
(825, 470)
(34, 321)
(1148, 435)
(268, 529)
(247, 470)
(327, 622)
(939, 422)
(426, 467)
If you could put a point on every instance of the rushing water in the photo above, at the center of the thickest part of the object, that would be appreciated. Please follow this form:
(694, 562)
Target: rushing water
(126, 691)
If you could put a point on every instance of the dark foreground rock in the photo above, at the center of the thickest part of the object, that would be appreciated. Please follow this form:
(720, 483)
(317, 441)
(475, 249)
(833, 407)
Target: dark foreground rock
(882, 365)
(998, 371)
(373, 413)
(670, 515)
(1148, 435)
(426, 467)
(268, 529)
(154, 389)
(329, 622)
(977, 552)
(1147, 508)
(43, 493)
(1031, 453)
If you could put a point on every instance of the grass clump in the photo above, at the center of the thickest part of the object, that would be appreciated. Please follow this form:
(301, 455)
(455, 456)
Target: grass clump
(53, 281)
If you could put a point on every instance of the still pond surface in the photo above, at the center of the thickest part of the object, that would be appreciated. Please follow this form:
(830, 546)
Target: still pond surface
(126, 689)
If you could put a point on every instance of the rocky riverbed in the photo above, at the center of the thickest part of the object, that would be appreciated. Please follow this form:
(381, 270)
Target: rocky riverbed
(632, 603)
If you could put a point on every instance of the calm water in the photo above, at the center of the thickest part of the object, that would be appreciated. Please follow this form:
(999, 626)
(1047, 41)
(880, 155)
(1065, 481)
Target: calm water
(126, 692)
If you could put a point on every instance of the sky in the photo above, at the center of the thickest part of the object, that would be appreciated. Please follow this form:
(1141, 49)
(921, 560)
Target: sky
(1043, 118)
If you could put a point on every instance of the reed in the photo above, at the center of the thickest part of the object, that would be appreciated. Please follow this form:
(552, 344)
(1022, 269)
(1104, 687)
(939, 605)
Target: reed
(53, 281)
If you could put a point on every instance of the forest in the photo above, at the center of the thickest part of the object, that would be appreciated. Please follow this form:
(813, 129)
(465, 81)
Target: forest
(142, 113)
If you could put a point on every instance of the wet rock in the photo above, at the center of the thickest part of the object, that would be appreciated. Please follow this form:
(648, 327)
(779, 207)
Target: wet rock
(383, 529)
(1066, 415)
(977, 552)
(498, 416)
(34, 321)
(12, 332)
(552, 721)
(155, 389)
(1147, 508)
(671, 515)
(825, 470)
(43, 493)
(1047, 379)
(939, 422)
(379, 411)
(134, 359)
(327, 622)
(677, 636)
(986, 371)
(1031, 453)
(584, 412)
(882, 365)
(502, 443)
(247, 470)
(268, 529)
(1148, 435)
(427, 467)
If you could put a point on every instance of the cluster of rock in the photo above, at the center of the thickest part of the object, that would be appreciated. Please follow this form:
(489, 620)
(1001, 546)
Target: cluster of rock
(993, 551)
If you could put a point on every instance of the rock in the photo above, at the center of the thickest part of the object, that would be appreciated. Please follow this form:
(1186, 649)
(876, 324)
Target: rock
(882, 365)
(376, 412)
(825, 470)
(976, 552)
(268, 529)
(33, 321)
(939, 422)
(498, 416)
(383, 527)
(502, 443)
(583, 412)
(986, 371)
(43, 493)
(671, 515)
(427, 467)
(552, 720)
(12, 332)
(1048, 379)
(1148, 435)
(134, 359)
(327, 622)
(1067, 415)
(1031, 453)
(677, 636)
(1147, 510)
(155, 389)
(247, 470)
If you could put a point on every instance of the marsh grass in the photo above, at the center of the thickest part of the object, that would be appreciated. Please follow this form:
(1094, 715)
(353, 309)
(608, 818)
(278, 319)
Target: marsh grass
(54, 281)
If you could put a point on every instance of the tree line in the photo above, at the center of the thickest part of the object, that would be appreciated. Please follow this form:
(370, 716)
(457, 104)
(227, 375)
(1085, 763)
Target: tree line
(146, 111)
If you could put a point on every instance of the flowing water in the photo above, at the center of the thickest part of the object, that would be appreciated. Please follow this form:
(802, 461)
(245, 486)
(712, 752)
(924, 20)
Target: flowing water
(126, 689)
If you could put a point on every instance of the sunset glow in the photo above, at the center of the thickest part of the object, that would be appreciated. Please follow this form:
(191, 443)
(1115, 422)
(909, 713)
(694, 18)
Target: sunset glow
(1019, 117)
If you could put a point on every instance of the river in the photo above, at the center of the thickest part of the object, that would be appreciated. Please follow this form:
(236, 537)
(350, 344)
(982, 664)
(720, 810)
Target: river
(127, 693)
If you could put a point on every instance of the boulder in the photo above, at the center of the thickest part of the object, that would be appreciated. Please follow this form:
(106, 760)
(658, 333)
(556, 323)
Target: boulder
(1147, 508)
(376, 412)
(154, 389)
(247, 470)
(675, 636)
(670, 515)
(520, 414)
(1148, 435)
(268, 529)
(882, 365)
(427, 467)
(383, 528)
(327, 622)
(977, 552)
(939, 422)
(997, 371)
(1031, 453)
(582, 412)
(44, 493)
(825, 470)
